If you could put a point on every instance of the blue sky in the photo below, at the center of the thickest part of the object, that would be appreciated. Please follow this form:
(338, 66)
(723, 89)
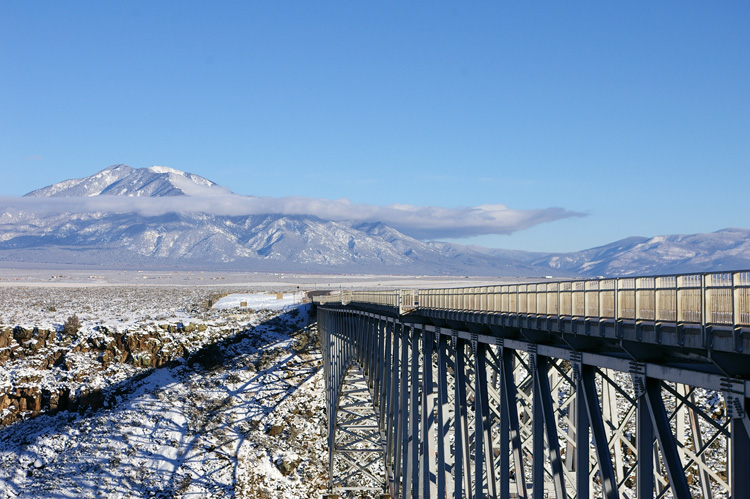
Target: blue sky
(635, 114)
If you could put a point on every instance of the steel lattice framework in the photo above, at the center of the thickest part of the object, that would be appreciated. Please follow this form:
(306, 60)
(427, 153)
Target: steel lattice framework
(474, 392)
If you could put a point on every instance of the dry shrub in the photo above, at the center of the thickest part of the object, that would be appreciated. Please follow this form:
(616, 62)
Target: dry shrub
(72, 324)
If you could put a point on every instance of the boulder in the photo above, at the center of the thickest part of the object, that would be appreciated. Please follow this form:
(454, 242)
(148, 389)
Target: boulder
(22, 335)
(6, 337)
(275, 430)
(287, 464)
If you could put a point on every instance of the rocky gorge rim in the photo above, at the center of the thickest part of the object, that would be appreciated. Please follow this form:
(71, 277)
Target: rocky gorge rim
(250, 400)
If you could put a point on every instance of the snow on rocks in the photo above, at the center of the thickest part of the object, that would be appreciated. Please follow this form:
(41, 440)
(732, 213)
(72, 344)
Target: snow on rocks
(48, 365)
(199, 426)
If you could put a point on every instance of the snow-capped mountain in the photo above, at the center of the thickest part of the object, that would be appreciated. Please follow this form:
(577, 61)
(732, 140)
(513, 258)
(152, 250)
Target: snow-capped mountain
(257, 242)
(123, 180)
(727, 249)
(277, 242)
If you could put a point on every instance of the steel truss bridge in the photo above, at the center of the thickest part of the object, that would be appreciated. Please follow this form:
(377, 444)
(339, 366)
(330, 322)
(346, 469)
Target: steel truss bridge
(616, 388)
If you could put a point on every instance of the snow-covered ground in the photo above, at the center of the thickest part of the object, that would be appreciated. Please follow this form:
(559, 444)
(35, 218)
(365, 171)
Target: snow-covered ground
(260, 301)
(241, 416)
(255, 281)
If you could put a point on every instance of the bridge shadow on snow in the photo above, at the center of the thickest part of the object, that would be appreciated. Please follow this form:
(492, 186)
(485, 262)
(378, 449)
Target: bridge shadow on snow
(199, 427)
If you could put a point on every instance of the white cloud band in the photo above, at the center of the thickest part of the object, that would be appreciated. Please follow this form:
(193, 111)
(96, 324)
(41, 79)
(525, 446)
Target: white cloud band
(422, 222)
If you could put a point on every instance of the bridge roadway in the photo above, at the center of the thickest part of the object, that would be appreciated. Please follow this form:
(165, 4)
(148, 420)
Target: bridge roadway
(630, 387)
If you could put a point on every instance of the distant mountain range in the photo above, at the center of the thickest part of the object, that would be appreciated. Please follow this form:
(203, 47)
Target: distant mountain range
(271, 242)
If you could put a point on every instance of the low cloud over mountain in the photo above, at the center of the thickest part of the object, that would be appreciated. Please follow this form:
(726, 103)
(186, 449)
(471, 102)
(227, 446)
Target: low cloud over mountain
(160, 190)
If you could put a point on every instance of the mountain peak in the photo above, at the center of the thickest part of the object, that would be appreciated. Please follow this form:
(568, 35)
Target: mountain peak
(123, 180)
(165, 169)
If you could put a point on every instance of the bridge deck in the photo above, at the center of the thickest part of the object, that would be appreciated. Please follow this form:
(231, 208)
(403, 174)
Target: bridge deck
(698, 319)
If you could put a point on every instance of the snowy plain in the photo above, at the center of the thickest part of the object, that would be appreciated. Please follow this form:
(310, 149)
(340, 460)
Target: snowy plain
(240, 415)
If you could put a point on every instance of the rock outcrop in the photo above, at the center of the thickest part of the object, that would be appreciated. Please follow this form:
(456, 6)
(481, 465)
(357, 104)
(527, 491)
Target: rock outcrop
(71, 358)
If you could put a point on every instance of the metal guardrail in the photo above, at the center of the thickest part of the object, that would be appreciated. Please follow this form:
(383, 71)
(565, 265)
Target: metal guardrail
(721, 298)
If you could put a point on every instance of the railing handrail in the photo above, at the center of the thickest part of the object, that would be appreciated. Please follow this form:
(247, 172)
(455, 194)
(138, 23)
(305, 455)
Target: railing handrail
(707, 298)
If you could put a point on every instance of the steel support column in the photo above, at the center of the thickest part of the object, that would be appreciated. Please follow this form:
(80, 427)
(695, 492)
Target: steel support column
(740, 446)
(462, 450)
(393, 402)
(609, 484)
(537, 429)
(548, 416)
(428, 481)
(484, 469)
(446, 460)
(510, 396)
(667, 444)
(503, 430)
(415, 388)
(582, 437)
(644, 441)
